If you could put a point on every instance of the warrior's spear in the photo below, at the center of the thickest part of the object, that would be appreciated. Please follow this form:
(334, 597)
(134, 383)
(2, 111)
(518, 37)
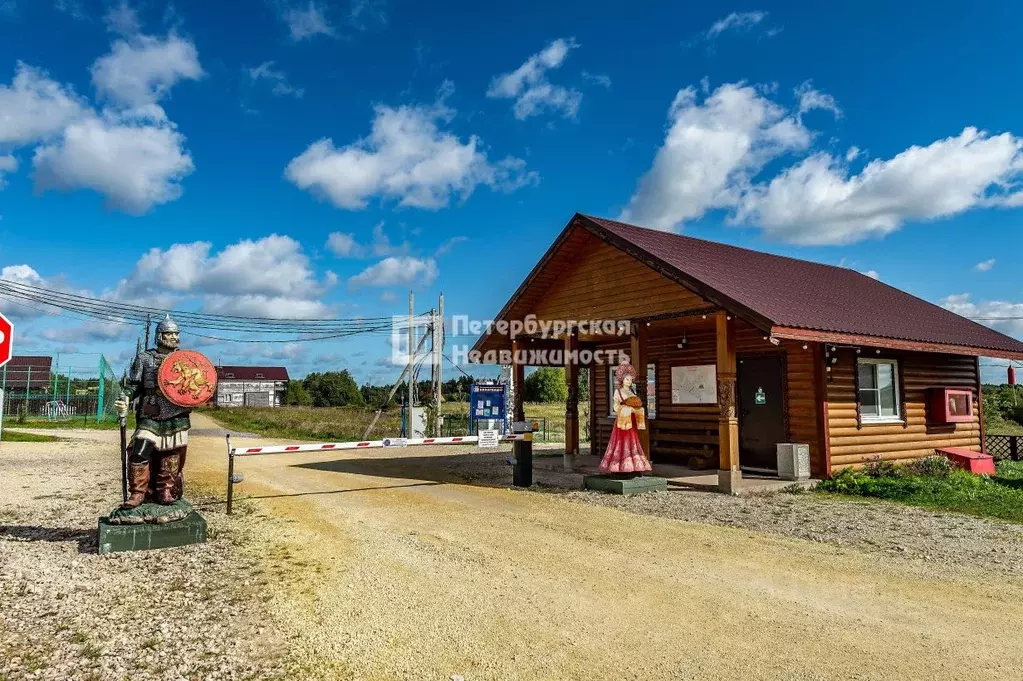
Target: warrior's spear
(122, 420)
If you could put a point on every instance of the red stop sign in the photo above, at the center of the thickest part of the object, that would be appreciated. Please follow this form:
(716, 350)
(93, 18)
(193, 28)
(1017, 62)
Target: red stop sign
(6, 340)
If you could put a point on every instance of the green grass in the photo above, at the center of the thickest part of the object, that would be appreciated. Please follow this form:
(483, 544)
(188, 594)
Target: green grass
(958, 491)
(306, 423)
(15, 436)
(996, 425)
(349, 423)
(87, 421)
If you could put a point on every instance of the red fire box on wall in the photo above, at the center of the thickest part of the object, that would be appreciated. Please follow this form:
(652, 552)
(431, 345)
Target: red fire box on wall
(946, 405)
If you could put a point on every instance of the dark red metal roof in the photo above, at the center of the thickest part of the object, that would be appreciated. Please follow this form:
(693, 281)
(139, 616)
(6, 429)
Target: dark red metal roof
(24, 368)
(237, 373)
(786, 292)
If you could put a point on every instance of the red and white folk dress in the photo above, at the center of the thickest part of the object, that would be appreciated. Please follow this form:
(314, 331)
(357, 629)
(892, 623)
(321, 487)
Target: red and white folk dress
(624, 452)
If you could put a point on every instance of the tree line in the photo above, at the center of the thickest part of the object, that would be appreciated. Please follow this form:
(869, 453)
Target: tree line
(340, 389)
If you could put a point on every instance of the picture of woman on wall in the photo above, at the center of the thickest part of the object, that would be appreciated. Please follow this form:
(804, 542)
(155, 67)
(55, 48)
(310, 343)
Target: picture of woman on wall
(624, 452)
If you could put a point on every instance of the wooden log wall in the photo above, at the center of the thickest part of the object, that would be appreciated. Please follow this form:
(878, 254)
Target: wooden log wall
(854, 445)
(688, 434)
(605, 283)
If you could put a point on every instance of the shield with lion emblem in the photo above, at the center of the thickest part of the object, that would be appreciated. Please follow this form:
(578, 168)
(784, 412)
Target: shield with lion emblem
(187, 378)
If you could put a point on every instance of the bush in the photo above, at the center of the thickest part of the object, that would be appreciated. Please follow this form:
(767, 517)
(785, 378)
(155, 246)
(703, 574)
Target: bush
(930, 466)
(23, 414)
(546, 384)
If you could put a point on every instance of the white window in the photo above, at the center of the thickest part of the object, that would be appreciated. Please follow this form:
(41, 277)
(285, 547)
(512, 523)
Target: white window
(651, 390)
(879, 390)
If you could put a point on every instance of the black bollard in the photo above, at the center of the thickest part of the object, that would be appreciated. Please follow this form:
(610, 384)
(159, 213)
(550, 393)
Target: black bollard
(522, 473)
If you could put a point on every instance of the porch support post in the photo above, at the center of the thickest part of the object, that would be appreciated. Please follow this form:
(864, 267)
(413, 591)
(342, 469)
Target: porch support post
(639, 361)
(729, 476)
(518, 381)
(572, 403)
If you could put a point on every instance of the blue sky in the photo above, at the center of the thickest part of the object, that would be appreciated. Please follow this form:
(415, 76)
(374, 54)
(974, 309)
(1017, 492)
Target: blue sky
(150, 151)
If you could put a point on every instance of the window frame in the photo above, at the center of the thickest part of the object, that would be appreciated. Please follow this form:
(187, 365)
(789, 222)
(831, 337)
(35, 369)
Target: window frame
(612, 384)
(870, 419)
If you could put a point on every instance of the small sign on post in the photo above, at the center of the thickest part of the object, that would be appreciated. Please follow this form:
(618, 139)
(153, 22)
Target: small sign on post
(489, 438)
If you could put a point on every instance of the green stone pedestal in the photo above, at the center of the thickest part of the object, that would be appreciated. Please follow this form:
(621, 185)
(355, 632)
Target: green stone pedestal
(626, 486)
(142, 536)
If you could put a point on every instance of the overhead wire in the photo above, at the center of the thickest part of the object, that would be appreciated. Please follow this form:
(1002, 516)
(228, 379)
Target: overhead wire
(304, 330)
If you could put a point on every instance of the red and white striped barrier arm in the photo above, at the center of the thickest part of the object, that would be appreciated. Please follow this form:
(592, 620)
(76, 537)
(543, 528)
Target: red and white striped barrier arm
(370, 444)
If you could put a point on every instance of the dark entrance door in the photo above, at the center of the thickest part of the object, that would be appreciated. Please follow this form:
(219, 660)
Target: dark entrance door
(761, 411)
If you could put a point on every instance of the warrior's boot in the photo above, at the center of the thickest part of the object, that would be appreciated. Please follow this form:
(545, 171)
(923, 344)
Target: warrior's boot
(166, 478)
(138, 484)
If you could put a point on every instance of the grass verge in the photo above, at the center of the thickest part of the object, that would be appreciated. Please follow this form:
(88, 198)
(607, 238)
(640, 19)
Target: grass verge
(15, 436)
(89, 422)
(934, 485)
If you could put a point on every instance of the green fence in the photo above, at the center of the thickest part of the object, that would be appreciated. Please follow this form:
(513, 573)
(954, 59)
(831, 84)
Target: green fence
(82, 389)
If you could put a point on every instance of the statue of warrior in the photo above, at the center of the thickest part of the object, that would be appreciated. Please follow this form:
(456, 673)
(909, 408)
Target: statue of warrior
(157, 448)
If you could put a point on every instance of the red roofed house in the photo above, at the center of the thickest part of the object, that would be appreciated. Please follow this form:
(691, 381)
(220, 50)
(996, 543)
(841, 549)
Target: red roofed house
(32, 371)
(745, 350)
(239, 386)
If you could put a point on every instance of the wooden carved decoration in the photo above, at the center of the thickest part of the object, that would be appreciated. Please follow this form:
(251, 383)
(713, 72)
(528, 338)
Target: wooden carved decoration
(726, 397)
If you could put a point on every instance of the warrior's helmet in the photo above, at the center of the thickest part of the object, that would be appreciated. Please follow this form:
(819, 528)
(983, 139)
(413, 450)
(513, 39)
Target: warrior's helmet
(167, 324)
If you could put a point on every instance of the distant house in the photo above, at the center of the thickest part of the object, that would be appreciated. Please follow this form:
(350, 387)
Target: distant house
(239, 386)
(32, 371)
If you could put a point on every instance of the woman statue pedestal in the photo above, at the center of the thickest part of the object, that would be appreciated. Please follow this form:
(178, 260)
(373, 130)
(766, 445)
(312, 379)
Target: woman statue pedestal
(624, 463)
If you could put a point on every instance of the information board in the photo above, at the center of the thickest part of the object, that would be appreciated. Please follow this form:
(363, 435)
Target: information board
(489, 438)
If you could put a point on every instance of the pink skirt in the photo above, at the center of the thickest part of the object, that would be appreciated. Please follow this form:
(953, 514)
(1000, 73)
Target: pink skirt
(624, 452)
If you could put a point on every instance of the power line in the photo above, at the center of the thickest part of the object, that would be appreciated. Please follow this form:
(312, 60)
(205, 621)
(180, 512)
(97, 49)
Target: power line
(304, 330)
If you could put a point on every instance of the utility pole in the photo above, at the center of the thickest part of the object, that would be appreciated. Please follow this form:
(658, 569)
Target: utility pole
(148, 316)
(438, 358)
(411, 364)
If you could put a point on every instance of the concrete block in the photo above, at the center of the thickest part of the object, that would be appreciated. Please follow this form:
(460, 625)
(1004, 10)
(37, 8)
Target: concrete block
(626, 486)
(144, 536)
(729, 482)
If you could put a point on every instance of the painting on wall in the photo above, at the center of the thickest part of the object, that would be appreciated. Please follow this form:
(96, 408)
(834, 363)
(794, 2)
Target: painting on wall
(694, 384)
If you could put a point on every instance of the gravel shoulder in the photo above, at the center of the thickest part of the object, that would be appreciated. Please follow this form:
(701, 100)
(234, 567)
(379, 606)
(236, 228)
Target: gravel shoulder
(68, 613)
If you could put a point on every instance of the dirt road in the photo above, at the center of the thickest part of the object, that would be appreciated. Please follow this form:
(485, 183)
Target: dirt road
(388, 567)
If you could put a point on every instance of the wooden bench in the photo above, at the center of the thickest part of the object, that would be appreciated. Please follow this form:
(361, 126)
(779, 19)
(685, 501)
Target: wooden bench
(974, 462)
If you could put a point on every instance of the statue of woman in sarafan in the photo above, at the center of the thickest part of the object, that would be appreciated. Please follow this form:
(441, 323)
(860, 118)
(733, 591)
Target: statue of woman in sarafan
(624, 452)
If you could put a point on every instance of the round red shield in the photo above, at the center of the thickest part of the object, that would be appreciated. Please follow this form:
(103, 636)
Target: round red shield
(187, 378)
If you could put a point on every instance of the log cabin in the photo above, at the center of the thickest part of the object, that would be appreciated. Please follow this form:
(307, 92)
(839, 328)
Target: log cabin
(745, 350)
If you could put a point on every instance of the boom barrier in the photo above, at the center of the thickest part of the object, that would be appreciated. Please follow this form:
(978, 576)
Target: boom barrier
(523, 452)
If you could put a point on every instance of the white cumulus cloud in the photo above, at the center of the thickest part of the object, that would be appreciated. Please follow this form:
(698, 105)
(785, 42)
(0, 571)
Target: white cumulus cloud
(408, 158)
(532, 91)
(712, 150)
(985, 266)
(393, 271)
(267, 277)
(142, 69)
(818, 201)
(137, 160)
(810, 98)
(343, 245)
(34, 107)
(1002, 315)
(715, 152)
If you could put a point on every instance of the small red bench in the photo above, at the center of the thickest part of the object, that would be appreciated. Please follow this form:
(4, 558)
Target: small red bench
(974, 462)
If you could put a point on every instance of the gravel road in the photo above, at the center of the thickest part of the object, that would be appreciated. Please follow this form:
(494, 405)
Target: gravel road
(388, 564)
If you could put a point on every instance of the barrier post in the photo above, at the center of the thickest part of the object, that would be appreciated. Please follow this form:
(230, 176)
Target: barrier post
(522, 451)
(230, 475)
